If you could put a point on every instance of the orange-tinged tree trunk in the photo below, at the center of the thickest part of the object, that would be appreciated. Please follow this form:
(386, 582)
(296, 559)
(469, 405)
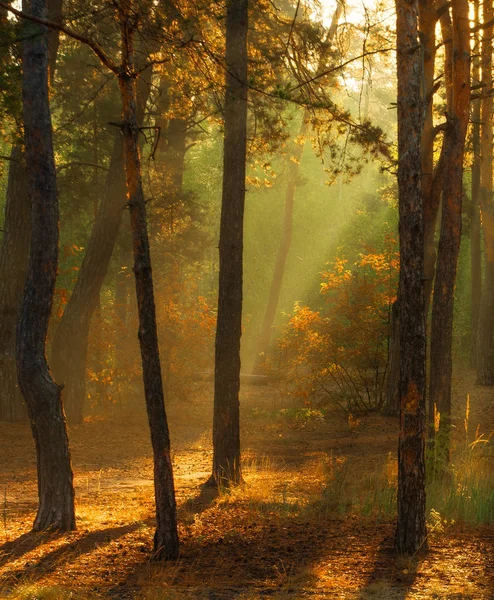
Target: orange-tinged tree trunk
(485, 347)
(457, 69)
(475, 241)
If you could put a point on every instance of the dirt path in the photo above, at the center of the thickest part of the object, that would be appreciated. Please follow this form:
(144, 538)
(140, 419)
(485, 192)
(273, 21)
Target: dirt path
(291, 532)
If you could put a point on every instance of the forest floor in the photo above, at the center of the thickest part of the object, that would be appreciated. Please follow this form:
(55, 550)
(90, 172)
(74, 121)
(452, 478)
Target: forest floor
(315, 518)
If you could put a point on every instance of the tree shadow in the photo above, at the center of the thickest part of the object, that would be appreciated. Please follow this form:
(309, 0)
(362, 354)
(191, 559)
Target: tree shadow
(201, 502)
(50, 561)
(25, 543)
(391, 571)
(278, 553)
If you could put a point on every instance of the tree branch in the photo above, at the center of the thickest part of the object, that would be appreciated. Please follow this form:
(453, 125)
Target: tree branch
(95, 46)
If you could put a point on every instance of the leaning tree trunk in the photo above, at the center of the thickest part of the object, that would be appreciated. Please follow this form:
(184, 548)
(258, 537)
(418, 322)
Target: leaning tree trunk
(411, 527)
(441, 366)
(485, 347)
(70, 342)
(226, 420)
(166, 543)
(284, 248)
(14, 256)
(41, 393)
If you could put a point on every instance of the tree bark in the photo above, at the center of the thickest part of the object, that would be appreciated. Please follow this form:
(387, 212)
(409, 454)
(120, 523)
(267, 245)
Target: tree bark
(41, 393)
(475, 243)
(14, 257)
(457, 69)
(485, 348)
(166, 543)
(431, 192)
(411, 527)
(226, 421)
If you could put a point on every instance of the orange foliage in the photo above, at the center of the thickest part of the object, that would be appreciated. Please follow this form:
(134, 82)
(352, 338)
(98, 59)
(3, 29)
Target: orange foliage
(339, 354)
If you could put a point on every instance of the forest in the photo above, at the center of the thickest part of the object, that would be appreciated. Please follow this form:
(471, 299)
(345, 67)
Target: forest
(246, 299)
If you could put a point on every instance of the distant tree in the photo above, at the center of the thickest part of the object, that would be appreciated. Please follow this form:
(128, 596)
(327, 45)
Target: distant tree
(411, 527)
(41, 393)
(293, 176)
(226, 422)
(14, 256)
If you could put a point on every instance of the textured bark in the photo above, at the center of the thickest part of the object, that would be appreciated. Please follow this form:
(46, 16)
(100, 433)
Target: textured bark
(166, 543)
(485, 348)
(430, 200)
(457, 69)
(411, 527)
(226, 420)
(41, 393)
(286, 235)
(475, 244)
(14, 256)
(431, 184)
(392, 403)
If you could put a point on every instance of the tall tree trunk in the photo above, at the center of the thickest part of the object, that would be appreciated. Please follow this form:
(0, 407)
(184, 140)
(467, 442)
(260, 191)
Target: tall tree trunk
(166, 543)
(226, 420)
(411, 527)
(485, 348)
(430, 200)
(457, 70)
(14, 257)
(475, 245)
(286, 235)
(430, 187)
(41, 393)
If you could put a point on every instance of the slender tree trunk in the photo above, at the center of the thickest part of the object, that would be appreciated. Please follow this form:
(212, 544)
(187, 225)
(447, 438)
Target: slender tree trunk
(286, 235)
(449, 243)
(475, 245)
(430, 200)
(14, 257)
(283, 250)
(41, 393)
(166, 543)
(226, 420)
(485, 348)
(411, 528)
